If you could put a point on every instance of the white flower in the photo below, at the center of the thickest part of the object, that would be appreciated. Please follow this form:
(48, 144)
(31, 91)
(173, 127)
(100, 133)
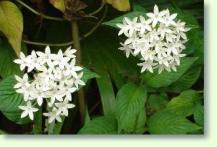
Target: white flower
(46, 57)
(128, 26)
(157, 16)
(126, 48)
(147, 65)
(60, 60)
(73, 69)
(23, 86)
(33, 62)
(64, 106)
(77, 80)
(70, 52)
(157, 40)
(169, 19)
(53, 115)
(23, 61)
(144, 25)
(54, 78)
(21, 81)
(28, 110)
(38, 95)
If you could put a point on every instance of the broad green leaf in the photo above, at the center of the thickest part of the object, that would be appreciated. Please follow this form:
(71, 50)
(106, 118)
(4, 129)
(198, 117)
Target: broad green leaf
(121, 5)
(166, 78)
(186, 81)
(58, 4)
(117, 20)
(166, 122)
(185, 103)
(141, 120)
(131, 108)
(7, 66)
(11, 24)
(199, 115)
(156, 102)
(10, 100)
(100, 125)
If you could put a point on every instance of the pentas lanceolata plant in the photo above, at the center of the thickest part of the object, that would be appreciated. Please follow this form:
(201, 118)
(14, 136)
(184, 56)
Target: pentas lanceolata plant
(158, 40)
(49, 77)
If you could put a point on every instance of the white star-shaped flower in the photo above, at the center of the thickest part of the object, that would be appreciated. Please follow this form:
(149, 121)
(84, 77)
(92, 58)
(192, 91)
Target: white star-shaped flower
(126, 48)
(28, 110)
(23, 61)
(144, 25)
(147, 65)
(61, 60)
(70, 52)
(64, 106)
(156, 16)
(128, 27)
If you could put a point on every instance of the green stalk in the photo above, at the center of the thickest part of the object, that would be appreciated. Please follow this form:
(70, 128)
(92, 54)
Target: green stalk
(37, 128)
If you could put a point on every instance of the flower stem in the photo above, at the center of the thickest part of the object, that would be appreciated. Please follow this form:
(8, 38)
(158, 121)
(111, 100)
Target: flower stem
(37, 127)
(76, 41)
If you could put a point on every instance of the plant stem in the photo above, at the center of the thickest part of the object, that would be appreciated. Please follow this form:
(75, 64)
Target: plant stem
(70, 42)
(58, 127)
(38, 13)
(51, 127)
(47, 44)
(57, 18)
(37, 128)
(99, 9)
(76, 41)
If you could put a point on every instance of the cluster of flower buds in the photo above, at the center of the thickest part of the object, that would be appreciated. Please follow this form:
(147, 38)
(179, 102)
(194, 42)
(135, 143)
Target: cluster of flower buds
(158, 40)
(49, 77)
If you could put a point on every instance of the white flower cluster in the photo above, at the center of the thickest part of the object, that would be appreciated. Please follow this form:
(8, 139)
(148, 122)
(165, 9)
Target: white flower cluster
(158, 40)
(51, 78)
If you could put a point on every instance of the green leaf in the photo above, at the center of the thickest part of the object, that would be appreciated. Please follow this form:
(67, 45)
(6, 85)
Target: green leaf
(166, 122)
(195, 43)
(103, 57)
(58, 4)
(166, 78)
(115, 21)
(11, 24)
(131, 108)
(186, 81)
(106, 93)
(100, 125)
(10, 100)
(7, 66)
(157, 102)
(185, 103)
(89, 75)
(199, 115)
(138, 8)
